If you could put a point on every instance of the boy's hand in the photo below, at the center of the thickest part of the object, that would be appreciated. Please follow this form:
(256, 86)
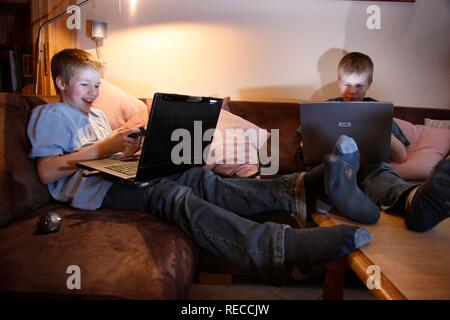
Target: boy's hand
(138, 139)
(118, 141)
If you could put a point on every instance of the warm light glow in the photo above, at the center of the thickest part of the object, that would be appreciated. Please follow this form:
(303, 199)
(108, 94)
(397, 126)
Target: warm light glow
(133, 7)
(175, 58)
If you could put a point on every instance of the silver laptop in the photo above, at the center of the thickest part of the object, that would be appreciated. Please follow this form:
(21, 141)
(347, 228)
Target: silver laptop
(169, 112)
(369, 123)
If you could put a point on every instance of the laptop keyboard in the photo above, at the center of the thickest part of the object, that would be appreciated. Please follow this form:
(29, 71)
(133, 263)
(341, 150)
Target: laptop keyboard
(128, 168)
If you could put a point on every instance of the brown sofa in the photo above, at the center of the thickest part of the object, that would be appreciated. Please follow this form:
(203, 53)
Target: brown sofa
(120, 254)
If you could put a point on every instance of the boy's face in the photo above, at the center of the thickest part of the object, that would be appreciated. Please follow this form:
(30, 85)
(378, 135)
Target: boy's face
(82, 89)
(354, 86)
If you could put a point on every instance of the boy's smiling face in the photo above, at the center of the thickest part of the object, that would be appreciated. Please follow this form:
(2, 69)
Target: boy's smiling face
(82, 89)
(353, 87)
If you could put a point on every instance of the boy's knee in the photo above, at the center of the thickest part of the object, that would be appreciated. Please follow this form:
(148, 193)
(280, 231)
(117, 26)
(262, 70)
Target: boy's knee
(200, 173)
(373, 219)
(168, 190)
(417, 227)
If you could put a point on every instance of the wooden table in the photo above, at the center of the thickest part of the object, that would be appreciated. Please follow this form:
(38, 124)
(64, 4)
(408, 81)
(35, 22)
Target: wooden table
(413, 265)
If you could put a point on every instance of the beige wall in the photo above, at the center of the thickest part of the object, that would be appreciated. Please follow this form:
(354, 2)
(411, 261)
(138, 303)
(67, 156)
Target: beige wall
(273, 50)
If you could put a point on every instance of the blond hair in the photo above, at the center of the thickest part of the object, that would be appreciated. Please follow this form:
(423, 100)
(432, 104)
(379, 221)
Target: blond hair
(356, 62)
(66, 62)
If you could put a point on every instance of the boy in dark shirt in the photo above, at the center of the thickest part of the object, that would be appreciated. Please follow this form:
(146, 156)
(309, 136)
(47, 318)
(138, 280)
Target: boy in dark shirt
(423, 206)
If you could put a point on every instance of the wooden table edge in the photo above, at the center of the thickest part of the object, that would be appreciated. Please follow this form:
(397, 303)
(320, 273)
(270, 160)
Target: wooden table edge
(359, 264)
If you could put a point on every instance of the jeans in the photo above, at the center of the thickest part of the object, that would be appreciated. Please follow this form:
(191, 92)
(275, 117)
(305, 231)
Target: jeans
(215, 213)
(383, 185)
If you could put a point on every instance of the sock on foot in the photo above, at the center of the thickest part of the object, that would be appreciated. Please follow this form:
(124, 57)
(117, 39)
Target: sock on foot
(307, 248)
(431, 202)
(313, 182)
(347, 149)
(344, 193)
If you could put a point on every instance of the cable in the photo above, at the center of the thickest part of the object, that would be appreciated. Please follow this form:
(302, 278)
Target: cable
(97, 49)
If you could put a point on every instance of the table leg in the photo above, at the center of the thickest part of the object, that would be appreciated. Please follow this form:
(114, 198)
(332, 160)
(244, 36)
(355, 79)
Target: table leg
(333, 288)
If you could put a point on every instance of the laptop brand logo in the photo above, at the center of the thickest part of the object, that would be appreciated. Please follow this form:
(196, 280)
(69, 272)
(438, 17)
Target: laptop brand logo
(344, 124)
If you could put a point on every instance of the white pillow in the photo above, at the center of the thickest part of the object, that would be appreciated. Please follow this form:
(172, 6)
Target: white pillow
(437, 123)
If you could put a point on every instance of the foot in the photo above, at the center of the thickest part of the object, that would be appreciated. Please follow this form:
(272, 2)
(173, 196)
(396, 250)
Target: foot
(347, 149)
(308, 248)
(314, 180)
(431, 202)
(314, 189)
(345, 195)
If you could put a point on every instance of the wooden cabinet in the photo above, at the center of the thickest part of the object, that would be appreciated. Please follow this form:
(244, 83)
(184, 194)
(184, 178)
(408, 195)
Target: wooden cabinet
(16, 70)
(19, 24)
(55, 37)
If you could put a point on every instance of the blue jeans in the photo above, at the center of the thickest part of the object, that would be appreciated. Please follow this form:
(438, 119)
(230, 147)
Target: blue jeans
(215, 213)
(383, 185)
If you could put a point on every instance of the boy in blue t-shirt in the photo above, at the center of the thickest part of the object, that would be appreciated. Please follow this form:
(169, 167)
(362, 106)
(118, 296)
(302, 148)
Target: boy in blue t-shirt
(423, 206)
(214, 212)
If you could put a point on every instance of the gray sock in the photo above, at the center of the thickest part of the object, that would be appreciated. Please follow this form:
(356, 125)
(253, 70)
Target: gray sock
(347, 149)
(344, 193)
(307, 248)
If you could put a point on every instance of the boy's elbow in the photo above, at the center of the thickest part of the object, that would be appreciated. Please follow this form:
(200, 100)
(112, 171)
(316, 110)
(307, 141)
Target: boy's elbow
(44, 172)
(45, 179)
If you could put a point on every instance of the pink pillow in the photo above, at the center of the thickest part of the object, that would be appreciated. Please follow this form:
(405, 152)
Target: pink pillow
(239, 154)
(121, 108)
(428, 146)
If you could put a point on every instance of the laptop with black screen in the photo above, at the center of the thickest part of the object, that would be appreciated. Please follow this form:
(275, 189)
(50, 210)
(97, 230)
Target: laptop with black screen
(190, 115)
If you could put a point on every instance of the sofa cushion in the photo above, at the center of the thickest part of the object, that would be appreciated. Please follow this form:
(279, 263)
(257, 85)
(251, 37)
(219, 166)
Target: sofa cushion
(121, 254)
(235, 146)
(20, 189)
(118, 106)
(428, 146)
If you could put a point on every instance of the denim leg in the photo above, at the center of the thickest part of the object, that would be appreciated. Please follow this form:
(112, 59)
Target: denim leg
(247, 244)
(382, 184)
(244, 197)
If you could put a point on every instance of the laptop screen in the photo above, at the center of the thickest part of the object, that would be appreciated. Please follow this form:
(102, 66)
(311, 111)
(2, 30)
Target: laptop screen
(368, 123)
(174, 137)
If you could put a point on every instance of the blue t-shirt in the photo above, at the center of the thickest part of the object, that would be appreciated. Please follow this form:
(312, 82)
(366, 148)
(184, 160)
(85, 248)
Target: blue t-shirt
(57, 129)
